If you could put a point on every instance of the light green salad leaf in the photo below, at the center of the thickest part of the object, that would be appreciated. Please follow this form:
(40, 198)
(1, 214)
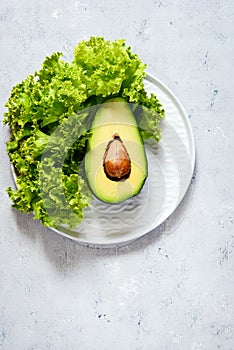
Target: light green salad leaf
(38, 105)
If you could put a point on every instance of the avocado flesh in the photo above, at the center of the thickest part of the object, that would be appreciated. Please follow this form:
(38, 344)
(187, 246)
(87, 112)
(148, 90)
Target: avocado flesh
(115, 117)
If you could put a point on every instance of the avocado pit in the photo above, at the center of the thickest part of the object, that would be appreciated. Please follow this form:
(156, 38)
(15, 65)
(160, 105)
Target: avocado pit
(116, 160)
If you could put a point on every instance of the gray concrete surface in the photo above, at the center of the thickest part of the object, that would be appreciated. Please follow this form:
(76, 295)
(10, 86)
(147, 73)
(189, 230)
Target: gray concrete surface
(174, 288)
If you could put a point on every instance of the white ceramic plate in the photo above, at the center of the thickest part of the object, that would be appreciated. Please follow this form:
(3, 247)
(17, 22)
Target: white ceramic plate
(170, 169)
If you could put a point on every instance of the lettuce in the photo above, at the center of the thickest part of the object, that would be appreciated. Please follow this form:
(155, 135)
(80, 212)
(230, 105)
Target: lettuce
(43, 101)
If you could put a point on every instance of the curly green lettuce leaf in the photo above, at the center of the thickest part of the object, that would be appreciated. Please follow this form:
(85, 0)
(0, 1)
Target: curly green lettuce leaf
(47, 99)
(109, 67)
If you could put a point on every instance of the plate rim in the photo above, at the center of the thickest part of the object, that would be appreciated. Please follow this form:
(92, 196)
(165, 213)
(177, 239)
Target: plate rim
(121, 241)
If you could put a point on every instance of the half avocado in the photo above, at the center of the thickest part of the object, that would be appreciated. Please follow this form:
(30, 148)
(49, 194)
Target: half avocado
(115, 160)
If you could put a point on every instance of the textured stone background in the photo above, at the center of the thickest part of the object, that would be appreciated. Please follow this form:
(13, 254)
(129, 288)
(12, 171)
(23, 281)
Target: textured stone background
(174, 288)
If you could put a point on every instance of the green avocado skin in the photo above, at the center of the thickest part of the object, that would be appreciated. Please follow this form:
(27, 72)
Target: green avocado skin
(115, 116)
